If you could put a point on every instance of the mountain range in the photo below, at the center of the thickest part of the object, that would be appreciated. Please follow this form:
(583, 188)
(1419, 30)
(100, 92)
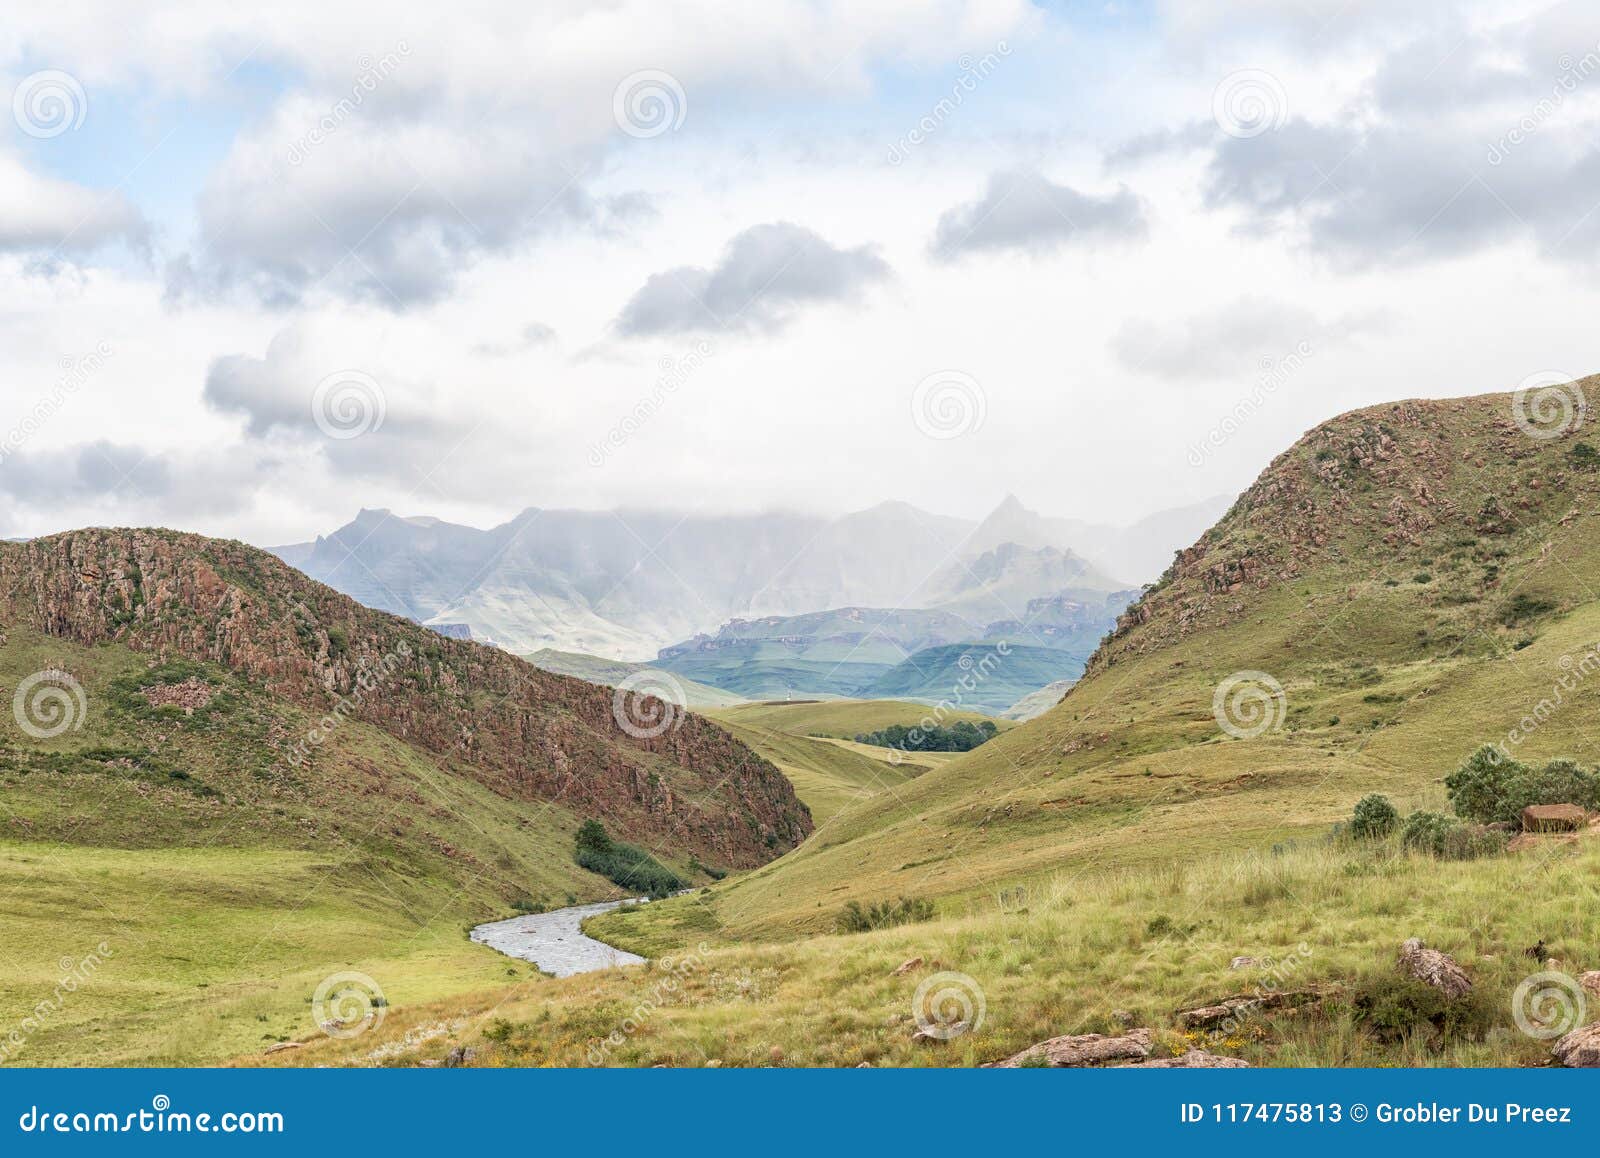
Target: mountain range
(624, 584)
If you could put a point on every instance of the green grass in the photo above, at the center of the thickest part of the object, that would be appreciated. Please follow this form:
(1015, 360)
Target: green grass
(1064, 956)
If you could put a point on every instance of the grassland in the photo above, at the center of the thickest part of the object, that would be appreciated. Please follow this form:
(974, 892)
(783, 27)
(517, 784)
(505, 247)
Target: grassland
(611, 672)
(1081, 952)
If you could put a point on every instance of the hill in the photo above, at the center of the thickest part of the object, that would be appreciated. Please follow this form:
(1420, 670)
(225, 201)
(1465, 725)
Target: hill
(214, 761)
(989, 676)
(1411, 576)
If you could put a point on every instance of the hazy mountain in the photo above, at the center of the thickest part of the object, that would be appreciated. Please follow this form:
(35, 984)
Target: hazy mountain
(1142, 551)
(624, 584)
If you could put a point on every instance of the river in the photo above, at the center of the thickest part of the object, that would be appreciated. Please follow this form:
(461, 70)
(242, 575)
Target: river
(554, 941)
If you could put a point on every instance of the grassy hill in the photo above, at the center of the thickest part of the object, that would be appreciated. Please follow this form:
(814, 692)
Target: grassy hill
(1413, 576)
(989, 676)
(810, 743)
(240, 782)
(611, 672)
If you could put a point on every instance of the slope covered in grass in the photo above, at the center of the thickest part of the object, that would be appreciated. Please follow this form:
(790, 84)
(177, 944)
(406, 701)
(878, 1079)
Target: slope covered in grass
(1417, 578)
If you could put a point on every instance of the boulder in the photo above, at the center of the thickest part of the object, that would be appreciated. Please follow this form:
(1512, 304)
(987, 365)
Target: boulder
(1580, 1049)
(1241, 1005)
(1434, 968)
(907, 966)
(1553, 818)
(1082, 1049)
(283, 1045)
(1590, 982)
(1242, 963)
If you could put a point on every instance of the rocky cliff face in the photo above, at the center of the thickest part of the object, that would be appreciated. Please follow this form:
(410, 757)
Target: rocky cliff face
(526, 733)
(1376, 497)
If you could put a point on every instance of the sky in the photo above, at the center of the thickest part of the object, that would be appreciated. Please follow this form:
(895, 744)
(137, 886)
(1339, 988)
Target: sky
(261, 269)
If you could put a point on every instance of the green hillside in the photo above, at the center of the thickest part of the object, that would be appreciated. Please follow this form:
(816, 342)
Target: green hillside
(989, 676)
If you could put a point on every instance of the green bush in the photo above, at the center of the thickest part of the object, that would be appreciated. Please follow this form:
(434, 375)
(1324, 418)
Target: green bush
(858, 918)
(1426, 831)
(623, 864)
(1490, 787)
(962, 736)
(1394, 1008)
(1373, 818)
(1448, 838)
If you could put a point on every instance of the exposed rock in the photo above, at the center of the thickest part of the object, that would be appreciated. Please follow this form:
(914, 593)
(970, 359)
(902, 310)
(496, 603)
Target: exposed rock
(1243, 1004)
(1553, 818)
(1194, 1059)
(192, 693)
(283, 1045)
(907, 966)
(713, 1063)
(1242, 963)
(1434, 968)
(1580, 1049)
(1591, 982)
(1082, 1049)
(460, 1056)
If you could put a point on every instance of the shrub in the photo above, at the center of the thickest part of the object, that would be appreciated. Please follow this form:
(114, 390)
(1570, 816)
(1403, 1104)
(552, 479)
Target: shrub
(1373, 818)
(1395, 1007)
(858, 918)
(1472, 841)
(962, 736)
(1425, 832)
(1521, 607)
(1584, 456)
(623, 864)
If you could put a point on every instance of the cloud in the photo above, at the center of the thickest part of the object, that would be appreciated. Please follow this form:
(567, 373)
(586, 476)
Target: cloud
(765, 275)
(532, 335)
(1022, 210)
(1234, 339)
(105, 473)
(39, 214)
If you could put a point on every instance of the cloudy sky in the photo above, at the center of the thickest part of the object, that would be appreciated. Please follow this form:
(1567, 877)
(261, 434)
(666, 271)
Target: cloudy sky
(261, 269)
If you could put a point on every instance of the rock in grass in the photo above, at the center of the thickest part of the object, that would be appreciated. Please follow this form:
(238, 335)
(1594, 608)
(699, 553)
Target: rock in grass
(283, 1045)
(1242, 963)
(1431, 967)
(1590, 982)
(1194, 1059)
(907, 966)
(1580, 1049)
(1081, 1049)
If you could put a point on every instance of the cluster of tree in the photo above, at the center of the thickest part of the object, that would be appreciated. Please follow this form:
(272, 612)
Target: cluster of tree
(1489, 788)
(962, 736)
(624, 864)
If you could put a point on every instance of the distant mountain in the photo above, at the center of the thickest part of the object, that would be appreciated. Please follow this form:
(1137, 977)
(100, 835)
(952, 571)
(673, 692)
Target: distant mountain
(624, 584)
(1142, 551)
(611, 672)
(899, 653)
(984, 676)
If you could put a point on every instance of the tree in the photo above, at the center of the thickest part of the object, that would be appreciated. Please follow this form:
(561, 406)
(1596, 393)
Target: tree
(1374, 817)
